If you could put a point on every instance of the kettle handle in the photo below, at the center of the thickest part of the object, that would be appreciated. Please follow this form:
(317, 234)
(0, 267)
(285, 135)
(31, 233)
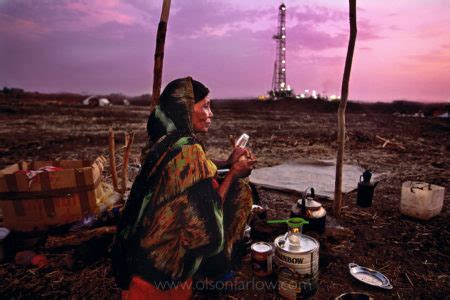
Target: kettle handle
(304, 195)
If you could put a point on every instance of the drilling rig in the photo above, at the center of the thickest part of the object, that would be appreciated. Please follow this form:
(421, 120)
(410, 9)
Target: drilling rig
(280, 89)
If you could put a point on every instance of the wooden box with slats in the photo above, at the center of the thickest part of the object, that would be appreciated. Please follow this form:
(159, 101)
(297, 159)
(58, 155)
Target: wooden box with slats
(39, 200)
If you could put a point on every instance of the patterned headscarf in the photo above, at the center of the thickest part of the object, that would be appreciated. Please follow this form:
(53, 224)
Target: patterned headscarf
(175, 108)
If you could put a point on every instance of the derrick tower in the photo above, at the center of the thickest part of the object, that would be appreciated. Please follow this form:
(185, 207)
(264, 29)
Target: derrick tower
(280, 88)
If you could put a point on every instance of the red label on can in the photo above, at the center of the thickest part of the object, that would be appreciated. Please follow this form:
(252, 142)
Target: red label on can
(262, 259)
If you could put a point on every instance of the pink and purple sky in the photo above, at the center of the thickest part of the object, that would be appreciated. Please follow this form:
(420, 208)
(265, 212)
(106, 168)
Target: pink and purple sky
(104, 46)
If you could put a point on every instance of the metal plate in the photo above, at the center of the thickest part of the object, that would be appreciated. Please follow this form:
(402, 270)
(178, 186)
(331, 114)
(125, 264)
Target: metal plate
(369, 276)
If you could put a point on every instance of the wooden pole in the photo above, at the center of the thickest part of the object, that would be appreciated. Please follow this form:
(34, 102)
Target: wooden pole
(159, 53)
(112, 158)
(337, 205)
(129, 137)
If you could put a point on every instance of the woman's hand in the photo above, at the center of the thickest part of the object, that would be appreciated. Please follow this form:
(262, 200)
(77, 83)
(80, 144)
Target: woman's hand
(243, 162)
(236, 154)
(243, 167)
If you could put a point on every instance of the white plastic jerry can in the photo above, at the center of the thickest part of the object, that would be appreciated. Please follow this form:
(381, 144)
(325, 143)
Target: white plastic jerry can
(421, 200)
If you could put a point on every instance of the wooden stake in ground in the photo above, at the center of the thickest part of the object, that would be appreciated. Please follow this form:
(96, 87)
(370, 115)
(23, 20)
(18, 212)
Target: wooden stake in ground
(112, 158)
(129, 137)
(159, 53)
(341, 112)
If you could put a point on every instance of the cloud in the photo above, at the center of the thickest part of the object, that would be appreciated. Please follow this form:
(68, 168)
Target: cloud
(311, 38)
(232, 65)
(322, 28)
(23, 27)
(367, 31)
(68, 16)
(437, 57)
(432, 32)
(113, 57)
(214, 19)
(394, 27)
(99, 14)
(316, 14)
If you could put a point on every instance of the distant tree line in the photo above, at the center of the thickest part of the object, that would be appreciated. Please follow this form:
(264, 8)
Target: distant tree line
(13, 92)
(309, 104)
(18, 94)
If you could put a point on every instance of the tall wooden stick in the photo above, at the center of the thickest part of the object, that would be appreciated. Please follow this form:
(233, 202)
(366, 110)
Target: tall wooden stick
(159, 53)
(112, 158)
(337, 205)
(129, 137)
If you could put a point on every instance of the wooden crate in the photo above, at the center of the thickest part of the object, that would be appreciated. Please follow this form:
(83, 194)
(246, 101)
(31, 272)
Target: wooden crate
(49, 198)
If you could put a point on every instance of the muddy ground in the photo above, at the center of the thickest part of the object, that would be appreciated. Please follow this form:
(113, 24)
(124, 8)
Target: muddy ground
(413, 254)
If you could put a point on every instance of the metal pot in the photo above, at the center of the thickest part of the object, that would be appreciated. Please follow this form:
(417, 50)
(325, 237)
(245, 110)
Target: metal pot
(311, 210)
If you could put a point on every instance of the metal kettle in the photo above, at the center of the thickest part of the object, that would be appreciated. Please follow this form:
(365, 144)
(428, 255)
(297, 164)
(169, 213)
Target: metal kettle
(365, 189)
(311, 210)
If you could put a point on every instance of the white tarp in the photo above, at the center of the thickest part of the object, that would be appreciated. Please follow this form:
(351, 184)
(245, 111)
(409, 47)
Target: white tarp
(297, 176)
(94, 101)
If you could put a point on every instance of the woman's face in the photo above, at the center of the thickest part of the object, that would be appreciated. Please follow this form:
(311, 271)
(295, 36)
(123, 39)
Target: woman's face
(202, 114)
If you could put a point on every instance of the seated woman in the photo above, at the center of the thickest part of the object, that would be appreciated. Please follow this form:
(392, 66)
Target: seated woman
(178, 217)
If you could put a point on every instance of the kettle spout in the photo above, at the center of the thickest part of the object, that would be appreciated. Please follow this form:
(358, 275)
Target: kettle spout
(375, 184)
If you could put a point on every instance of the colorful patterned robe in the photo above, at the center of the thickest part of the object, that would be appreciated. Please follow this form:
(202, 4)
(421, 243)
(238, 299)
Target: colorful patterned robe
(184, 222)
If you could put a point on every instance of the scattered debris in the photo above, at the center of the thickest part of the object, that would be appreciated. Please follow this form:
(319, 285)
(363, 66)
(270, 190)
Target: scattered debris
(414, 115)
(78, 238)
(387, 142)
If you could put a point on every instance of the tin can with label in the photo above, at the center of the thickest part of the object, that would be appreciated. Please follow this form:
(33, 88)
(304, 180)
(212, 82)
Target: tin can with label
(297, 266)
(262, 256)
